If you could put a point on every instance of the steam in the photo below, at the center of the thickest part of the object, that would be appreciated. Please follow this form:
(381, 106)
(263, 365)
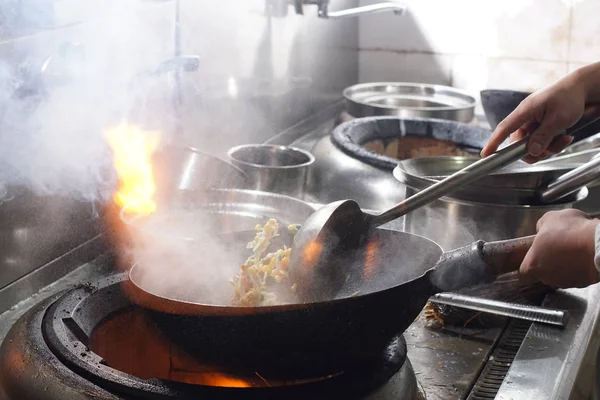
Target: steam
(52, 122)
(58, 98)
(181, 257)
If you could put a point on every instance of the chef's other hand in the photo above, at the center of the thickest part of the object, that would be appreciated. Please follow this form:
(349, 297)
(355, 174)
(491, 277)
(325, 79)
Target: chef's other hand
(562, 254)
(550, 111)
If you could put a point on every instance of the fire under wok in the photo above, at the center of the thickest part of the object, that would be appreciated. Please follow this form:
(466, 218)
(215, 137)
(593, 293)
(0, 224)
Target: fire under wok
(390, 281)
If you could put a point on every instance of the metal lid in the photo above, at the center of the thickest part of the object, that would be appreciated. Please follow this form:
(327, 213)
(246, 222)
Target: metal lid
(409, 100)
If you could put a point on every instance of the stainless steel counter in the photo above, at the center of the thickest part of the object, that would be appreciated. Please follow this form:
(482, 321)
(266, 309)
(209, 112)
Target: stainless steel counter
(556, 363)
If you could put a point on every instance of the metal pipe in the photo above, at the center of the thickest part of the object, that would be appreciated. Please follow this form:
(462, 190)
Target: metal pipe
(571, 181)
(512, 310)
(388, 6)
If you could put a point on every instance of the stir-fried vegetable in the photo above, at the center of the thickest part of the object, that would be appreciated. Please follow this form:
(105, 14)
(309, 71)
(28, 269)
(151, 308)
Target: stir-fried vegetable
(263, 276)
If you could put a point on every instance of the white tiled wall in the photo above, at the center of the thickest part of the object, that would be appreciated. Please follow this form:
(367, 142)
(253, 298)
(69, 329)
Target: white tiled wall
(474, 44)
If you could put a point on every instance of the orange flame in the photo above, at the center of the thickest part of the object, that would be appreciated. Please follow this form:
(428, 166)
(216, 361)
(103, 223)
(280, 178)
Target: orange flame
(215, 379)
(311, 255)
(370, 267)
(132, 149)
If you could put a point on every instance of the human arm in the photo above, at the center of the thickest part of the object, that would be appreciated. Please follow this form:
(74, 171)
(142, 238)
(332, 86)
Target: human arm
(550, 111)
(566, 250)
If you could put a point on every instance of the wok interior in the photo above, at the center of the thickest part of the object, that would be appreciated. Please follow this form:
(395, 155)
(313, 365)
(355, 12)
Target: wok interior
(388, 259)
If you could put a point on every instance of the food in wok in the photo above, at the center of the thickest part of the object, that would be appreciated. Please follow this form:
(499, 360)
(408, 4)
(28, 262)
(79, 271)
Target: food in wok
(263, 279)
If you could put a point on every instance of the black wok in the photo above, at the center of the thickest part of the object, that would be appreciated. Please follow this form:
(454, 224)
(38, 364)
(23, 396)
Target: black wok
(389, 284)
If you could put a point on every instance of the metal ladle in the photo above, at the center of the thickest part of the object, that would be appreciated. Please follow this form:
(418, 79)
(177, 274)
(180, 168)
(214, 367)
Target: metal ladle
(328, 238)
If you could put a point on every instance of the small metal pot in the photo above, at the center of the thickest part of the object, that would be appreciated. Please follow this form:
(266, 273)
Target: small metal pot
(276, 169)
(178, 169)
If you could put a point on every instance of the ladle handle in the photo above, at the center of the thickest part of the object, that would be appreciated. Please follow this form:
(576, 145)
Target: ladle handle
(507, 155)
(571, 182)
(506, 255)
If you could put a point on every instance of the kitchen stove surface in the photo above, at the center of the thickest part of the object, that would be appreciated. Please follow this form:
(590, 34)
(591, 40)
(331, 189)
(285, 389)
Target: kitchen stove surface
(91, 342)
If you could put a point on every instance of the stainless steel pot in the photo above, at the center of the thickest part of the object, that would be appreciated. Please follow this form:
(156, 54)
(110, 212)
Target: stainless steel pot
(276, 169)
(178, 169)
(345, 169)
(459, 220)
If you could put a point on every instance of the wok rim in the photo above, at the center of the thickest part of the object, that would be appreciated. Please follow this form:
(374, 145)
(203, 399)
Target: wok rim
(159, 303)
(130, 221)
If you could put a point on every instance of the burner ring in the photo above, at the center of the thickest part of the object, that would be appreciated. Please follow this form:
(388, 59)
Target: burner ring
(69, 322)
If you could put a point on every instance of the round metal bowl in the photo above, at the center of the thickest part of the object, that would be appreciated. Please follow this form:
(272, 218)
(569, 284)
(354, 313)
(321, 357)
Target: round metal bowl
(409, 100)
(420, 173)
(221, 210)
(498, 104)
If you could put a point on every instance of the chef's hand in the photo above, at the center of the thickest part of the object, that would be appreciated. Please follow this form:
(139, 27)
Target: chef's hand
(562, 254)
(550, 111)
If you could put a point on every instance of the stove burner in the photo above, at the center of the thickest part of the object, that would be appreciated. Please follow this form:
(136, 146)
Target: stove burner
(93, 340)
(129, 342)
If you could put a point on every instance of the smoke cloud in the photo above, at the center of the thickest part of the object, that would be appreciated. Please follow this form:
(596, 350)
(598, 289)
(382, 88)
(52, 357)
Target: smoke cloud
(60, 90)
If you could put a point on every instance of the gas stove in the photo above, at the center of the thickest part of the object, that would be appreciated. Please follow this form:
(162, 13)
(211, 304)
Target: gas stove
(69, 333)
(81, 338)
(92, 340)
(85, 339)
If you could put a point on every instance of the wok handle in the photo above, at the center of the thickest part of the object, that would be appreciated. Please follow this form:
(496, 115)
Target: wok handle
(478, 263)
(506, 256)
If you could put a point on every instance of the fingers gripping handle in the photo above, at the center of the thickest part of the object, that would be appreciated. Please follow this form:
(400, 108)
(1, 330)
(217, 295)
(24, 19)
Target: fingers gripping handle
(505, 256)
(478, 263)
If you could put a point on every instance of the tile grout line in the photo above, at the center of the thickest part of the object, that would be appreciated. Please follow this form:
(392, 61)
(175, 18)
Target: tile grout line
(434, 53)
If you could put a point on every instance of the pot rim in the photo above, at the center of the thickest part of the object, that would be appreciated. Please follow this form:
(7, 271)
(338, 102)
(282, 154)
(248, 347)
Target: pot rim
(342, 139)
(231, 152)
(129, 221)
(579, 195)
(470, 101)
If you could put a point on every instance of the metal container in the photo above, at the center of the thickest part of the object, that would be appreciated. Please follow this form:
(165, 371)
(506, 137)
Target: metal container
(271, 168)
(515, 184)
(591, 204)
(179, 169)
(409, 100)
(345, 169)
(590, 143)
(454, 222)
(498, 104)
(192, 220)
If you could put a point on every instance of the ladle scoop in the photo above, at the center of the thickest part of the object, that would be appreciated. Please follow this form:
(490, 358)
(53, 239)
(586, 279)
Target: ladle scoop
(322, 250)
